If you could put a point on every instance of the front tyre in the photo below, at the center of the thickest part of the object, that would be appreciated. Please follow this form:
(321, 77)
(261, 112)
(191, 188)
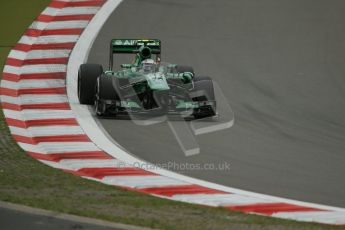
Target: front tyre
(185, 69)
(105, 93)
(100, 108)
(203, 93)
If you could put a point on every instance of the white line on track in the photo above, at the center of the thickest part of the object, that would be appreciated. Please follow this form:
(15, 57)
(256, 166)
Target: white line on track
(336, 217)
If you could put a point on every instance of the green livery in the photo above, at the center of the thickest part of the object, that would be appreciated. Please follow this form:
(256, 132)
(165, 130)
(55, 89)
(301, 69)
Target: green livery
(145, 86)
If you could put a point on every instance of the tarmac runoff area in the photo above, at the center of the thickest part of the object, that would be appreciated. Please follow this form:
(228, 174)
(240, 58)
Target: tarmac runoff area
(13, 217)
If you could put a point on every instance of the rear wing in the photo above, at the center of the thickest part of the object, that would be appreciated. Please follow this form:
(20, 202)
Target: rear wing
(133, 46)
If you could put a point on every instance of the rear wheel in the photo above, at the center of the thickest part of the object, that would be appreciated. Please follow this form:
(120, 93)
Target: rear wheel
(203, 92)
(87, 77)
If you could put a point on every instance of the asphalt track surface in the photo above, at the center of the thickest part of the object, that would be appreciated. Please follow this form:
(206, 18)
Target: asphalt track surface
(9, 220)
(280, 65)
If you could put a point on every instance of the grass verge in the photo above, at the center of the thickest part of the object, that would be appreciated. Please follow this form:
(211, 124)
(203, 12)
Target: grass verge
(23, 180)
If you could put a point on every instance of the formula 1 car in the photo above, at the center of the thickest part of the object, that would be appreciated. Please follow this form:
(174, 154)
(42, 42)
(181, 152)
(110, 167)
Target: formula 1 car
(146, 86)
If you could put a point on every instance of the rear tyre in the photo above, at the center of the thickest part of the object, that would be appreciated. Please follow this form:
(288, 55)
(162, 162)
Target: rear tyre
(87, 77)
(203, 92)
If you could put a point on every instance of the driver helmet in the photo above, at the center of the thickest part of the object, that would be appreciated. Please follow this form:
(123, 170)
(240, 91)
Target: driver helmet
(148, 65)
